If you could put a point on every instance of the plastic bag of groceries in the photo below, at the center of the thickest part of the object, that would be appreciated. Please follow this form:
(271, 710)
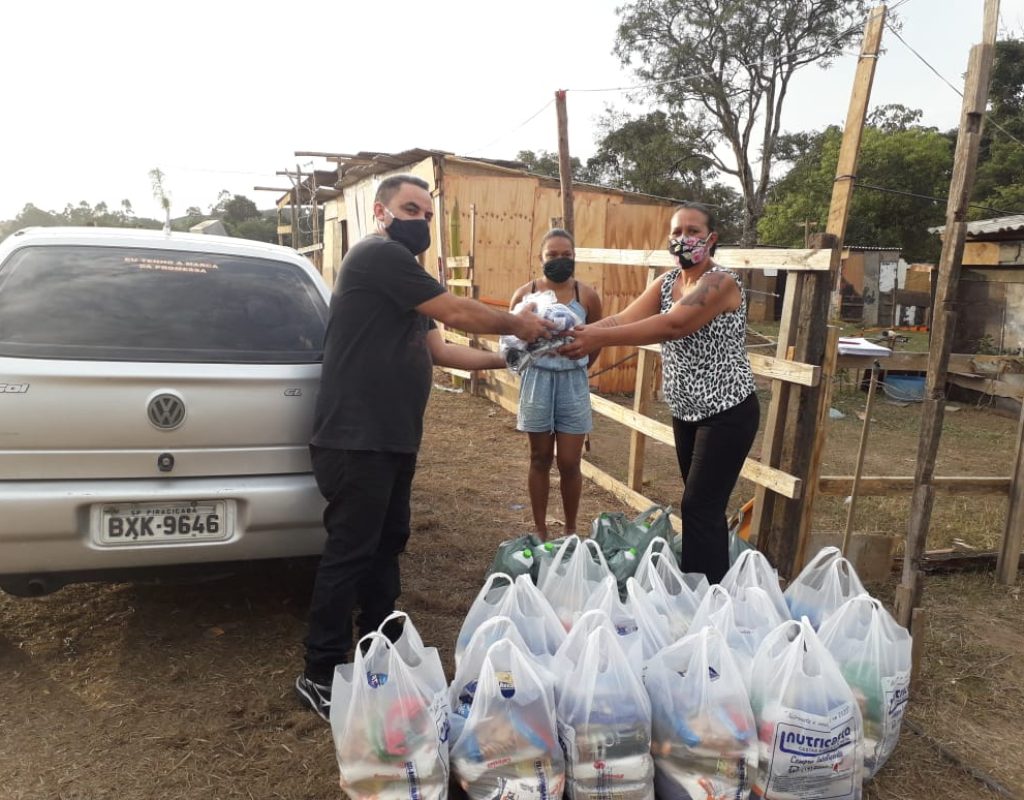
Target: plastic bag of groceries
(521, 602)
(810, 735)
(873, 653)
(520, 355)
(704, 739)
(828, 581)
(574, 573)
(604, 725)
(615, 531)
(543, 555)
(508, 748)
(642, 631)
(516, 556)
(751, 568)
(667, 588)
(390, 724)
(744, 621)
(409, 645)
(569, 653)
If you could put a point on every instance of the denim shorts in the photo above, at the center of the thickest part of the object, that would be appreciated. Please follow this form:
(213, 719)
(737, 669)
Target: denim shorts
(554, 400)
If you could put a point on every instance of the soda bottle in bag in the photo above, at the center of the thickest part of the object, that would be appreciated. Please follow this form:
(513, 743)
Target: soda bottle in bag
(810, 735)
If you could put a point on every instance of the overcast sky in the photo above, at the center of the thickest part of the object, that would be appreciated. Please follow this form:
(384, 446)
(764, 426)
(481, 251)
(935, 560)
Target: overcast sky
(219, 95)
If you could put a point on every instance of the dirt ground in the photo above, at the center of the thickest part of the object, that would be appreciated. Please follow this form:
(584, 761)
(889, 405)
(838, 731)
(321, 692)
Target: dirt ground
(183, 689)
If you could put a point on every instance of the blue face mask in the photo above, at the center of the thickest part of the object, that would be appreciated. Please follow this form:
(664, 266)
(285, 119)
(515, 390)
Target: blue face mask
(413, 233)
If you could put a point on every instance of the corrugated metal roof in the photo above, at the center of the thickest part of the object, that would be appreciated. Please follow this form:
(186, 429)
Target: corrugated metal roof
(982, 227)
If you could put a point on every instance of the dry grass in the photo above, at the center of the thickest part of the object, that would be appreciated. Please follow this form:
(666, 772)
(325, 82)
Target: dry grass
(184, 690)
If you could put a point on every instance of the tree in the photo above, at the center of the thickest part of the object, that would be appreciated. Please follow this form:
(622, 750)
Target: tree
(1000, 178)
(724, 66)
(544, 162)
(239, 209)
(156, 178)
(914, 159)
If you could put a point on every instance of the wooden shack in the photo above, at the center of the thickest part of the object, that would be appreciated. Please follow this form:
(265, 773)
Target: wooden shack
(990, 294)
(508, 210)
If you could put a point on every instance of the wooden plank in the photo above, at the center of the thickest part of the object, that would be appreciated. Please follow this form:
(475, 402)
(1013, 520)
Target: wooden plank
(859, 466)
(849, 147)
(776, 480)
(310, 248)
(965, 161)
(797, 260)
(564, 164)
(284, 230)
(465, 282)
(782, 370)
(801, 455)
(458, 262)
(623, 492)
(643, 389)
(772, 438)
(658, 431)
(459, 373)
(985, 385)
(456, 338)
(1013, 532)
(896, 485)
(981, 254)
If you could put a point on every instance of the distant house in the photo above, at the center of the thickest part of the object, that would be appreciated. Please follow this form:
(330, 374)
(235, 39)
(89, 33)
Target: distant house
(213, 227)
(990, 293)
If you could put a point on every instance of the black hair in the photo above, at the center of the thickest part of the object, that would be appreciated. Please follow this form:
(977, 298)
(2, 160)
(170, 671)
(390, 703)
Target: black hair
(561, 233)
(389, 186)
(708, 213)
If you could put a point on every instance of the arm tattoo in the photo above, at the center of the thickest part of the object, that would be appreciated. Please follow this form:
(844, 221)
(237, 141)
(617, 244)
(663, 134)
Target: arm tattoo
(699, 295)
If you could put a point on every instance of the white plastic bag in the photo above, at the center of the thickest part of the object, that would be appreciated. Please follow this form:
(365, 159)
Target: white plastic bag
(828, 581)
(487, 604)
(569, 579)
(508, 748)
(659, 575)
(604, 725)
(523, 603)
(426, 660)
(810, 735)
(463, 687)
(704, 740)
(520, 355)
(641, 629)
(571, 649)
(873, 653)
(390, 727)
(744, 621)
(751, 568)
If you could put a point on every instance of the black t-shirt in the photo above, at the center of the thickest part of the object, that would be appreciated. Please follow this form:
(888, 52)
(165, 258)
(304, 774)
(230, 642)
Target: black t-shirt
(377, 370)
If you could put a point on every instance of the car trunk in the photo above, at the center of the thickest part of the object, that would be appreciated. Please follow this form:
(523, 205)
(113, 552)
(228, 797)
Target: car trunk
(72, 419)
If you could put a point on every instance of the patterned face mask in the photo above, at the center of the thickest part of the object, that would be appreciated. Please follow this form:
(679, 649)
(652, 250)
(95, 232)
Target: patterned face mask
(690, 250)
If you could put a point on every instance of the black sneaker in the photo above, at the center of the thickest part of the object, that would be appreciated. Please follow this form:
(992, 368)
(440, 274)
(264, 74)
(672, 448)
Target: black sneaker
(315, 696)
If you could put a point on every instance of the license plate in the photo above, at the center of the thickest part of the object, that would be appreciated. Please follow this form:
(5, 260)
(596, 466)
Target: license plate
(167, 523)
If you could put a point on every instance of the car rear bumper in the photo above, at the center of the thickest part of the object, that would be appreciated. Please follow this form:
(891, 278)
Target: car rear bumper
(48, 527)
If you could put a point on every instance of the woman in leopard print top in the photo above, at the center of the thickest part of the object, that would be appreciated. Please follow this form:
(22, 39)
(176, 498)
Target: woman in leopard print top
(698, 313)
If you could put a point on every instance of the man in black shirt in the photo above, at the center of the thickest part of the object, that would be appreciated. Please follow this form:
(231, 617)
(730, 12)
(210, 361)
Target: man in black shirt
(379, 352)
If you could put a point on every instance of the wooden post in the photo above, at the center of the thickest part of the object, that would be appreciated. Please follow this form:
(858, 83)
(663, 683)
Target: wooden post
(771, 441)
(828, 372)
(782, 541)
(564, 164)
(859, 466)
(849, 148)
(474, 382)
(1013, 533)
(642, 390)
(979, 73)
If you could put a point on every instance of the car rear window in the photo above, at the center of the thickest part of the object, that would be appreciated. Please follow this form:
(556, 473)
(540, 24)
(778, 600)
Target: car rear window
(134, 304)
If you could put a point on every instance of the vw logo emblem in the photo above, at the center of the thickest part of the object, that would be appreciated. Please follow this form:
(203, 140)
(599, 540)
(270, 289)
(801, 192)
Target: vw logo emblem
(166, 411)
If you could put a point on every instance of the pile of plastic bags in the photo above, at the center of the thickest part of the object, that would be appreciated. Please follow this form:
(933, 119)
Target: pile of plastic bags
(572, 678)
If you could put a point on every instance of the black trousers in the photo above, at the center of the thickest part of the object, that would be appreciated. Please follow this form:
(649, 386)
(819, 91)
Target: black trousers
(367, 522)
(711, 453)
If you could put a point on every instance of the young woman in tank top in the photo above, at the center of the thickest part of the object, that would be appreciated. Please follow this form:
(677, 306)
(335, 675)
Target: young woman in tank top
(554, 392)
(698, 313)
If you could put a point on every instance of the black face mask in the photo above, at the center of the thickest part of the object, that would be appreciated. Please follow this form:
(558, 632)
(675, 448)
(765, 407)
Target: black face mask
(559, 270)
(413, 233)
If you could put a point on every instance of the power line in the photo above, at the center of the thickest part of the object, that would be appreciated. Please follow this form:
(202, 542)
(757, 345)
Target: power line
(905, 193)
(520, 126)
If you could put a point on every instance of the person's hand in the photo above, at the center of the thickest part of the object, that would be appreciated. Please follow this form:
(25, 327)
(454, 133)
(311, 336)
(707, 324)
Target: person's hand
(586, 339)
(530, 327)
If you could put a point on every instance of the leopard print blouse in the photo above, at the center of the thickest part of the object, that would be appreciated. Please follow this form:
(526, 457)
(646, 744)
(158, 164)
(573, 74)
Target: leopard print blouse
(708, 371)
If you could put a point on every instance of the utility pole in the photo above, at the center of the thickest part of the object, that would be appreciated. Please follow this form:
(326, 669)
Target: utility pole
(564, 164)
(965, 162)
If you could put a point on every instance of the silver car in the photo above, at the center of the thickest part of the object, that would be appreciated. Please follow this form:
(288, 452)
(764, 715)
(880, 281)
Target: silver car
(156, 403)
